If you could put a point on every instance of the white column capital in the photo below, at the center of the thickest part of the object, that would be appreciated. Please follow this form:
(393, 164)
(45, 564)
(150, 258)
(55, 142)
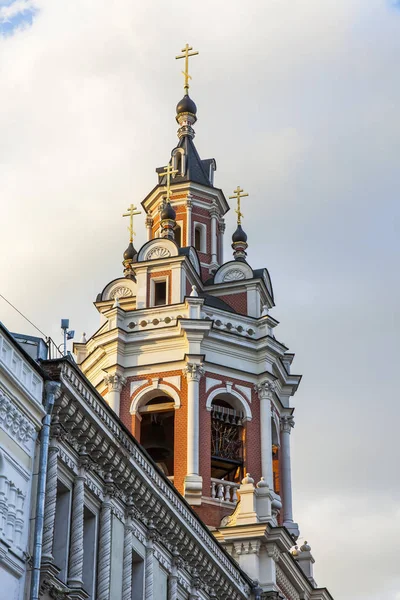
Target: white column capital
(266, 389)
(115, 381)
(286, 423)
(193, 371)
(222, 226)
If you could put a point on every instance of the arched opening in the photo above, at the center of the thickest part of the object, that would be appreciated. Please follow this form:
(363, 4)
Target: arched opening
(197, 238)
(157, 431)
(275, 457)
(178, 235)
(226, 439)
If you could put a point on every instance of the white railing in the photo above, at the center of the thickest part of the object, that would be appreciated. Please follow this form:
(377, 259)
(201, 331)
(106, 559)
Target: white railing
(224, 490)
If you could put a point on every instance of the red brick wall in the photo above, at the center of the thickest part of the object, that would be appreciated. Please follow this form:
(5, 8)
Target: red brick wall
(236, 301)
(180, 435)
(212, 515)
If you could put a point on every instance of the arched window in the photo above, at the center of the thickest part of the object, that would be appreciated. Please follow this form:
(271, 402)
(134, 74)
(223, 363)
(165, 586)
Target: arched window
(157, 431)
(178, 235)
(226, 439)
(197, 239)
(178, 161)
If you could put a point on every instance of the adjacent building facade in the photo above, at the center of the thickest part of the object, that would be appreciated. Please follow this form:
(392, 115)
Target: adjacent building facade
(21, 414)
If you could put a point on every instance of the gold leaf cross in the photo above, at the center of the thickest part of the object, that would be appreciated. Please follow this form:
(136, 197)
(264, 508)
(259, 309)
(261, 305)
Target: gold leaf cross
(186, 53)
(238, 195)
(168, 172)
(132, 210)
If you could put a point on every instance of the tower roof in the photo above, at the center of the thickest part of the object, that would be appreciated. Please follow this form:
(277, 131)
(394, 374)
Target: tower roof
(196, 169)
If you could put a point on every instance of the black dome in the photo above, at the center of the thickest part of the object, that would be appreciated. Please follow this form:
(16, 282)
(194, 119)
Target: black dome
(186, 105)
(130, 252)
(168, 213)
(239, 235)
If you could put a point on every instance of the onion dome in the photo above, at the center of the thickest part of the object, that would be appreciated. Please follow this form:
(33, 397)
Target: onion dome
(186, 105)
(130, 252)
(239, 235)
(168, 213)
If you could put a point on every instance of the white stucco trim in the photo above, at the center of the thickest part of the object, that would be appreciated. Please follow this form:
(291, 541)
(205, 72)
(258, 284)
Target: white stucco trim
(227, 389)
(152, 391)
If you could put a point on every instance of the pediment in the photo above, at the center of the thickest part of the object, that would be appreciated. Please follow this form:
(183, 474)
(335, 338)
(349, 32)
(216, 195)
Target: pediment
(233, 271)
(119, 288)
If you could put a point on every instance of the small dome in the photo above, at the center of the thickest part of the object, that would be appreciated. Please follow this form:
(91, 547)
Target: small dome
(186, 105)
(168, 213)
(130, 252)
(239, 235)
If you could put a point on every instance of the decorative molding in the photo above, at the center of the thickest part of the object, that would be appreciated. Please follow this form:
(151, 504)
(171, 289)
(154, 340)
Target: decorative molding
(174, 380)
(211, 382)
(136, 385)
(115, 382)
(246, 391)
(193, 371)
(247, 547)
(287, 422)
(287, 588)
(12, 501)
(13, 422)
(158, 252)
(265, 389)
(120, 291)
(233, 275)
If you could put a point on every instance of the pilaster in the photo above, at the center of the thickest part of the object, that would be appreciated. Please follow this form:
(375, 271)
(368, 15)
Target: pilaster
(286, 425)
(50, 505)
(104, 563)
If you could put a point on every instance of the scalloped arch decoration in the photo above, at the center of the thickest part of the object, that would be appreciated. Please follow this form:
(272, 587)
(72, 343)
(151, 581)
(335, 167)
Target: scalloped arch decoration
(233, 271)
(156, 249)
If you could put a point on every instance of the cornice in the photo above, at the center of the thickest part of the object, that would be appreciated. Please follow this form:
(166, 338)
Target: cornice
(134, 475)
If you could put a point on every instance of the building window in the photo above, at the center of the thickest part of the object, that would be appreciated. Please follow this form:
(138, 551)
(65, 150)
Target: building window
(160, 293)
(226, 441)
(178, 235)
(200, 232)
(157, 431)
(61, 530)
(89, 551)
(137, 576)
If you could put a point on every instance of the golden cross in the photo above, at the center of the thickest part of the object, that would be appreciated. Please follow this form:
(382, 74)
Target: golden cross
(186, 53)
(237, 196)
(132, 210)
(168, 172)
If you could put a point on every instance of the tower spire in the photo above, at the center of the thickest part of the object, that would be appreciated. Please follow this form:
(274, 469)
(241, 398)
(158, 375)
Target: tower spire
(239, 238)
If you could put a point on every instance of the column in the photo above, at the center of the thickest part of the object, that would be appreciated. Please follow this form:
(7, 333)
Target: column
(265, 391)
(115, 383)
(189, 204)
(221, 229)
(149, 227)
(214, 217)
(104, 564)
(287, 422)
(50, 506)
(75, 567)
(127, 560)
(193, 481)
(149, 564)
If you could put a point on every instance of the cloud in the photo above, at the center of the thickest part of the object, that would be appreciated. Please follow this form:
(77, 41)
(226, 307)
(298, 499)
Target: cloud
(298, 103)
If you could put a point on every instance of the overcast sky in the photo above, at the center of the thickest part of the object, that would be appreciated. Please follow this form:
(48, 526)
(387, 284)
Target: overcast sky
(299, 104)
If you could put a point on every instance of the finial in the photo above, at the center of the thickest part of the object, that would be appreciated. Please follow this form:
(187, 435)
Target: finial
(305, 547)
(132, 210)
(186, 52)
(295, 551)
(262, 483)
(238, 196)
(194, 293)
(247, 479)
(83, 338)
(116, 303)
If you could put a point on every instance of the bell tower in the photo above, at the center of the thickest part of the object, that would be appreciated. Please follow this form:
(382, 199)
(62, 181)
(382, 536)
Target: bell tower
(187, 353)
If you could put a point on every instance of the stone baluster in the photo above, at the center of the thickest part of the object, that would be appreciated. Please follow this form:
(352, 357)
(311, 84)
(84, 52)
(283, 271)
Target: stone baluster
(104, 563)
(50, 505)
(213, 489)
(286, 423)
(127, 561)
(75, 567)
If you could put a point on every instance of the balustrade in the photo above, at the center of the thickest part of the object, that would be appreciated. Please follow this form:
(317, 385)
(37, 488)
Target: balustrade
(224, 490)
